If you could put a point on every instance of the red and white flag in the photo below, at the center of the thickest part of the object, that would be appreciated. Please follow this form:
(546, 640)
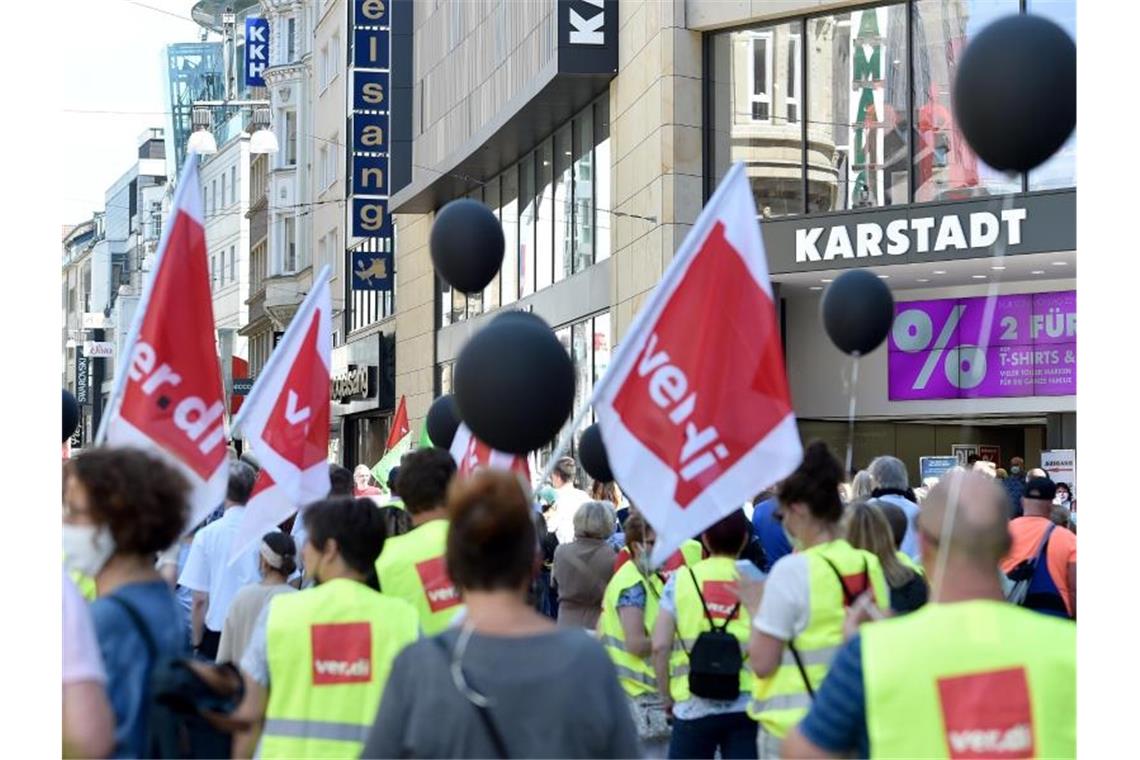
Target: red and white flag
(168, 394)
(471, 454)
(694, 409)
(285, 419)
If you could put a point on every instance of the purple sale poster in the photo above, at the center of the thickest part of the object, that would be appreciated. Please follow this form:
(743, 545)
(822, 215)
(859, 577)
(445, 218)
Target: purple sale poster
(935, 347)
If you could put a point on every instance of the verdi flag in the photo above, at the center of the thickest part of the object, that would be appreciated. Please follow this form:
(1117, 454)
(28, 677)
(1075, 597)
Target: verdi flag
(399, 443)
(168, 392)
(694, 428)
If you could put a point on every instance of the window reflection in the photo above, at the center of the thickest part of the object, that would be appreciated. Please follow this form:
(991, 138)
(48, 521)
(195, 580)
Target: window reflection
(526, 226)
(510, 219)
(563, 206)
(583, 191)
(1061, 169)
(602, 220)
(944, 165)
(544, 229)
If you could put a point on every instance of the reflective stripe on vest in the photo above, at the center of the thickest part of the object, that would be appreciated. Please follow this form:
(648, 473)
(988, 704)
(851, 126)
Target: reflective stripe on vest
(316, 729)
(329, 649)
(781, 700)
(691, 620)
(634, 673)
(412, 567)
(1002, 683)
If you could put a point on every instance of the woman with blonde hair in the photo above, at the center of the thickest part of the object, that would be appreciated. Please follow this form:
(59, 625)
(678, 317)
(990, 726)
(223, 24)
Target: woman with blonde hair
(583, 568)
(867, 528)
(862, 485)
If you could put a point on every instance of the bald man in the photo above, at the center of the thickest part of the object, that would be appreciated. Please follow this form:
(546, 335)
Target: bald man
(1002, 684)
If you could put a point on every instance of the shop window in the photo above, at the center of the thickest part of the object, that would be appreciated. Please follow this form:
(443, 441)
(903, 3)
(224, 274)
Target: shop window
(527, 207)
(491, 199)
(945, 168)
(603, 220)
(583, 190)
(544, 229)
(1061, 168)
(509, 217)
(760, 82)
(563, 205)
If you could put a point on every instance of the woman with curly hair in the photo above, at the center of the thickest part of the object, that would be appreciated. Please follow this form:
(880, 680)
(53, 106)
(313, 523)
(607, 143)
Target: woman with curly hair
(121, 508)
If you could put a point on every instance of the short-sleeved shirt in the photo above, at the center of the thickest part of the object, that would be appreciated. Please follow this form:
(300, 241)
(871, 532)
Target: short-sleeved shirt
(208, 567)
(243, 616)
(1027, 533)
(124, 653)
(696, 707)
(837, 720)
(81, 658)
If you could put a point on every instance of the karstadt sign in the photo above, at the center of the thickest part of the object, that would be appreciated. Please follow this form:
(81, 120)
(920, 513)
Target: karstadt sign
(1032, 223)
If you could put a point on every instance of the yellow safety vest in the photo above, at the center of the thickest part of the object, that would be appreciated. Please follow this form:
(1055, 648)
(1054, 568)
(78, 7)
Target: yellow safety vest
(635, 673)
(979, 678)
(781, 700)
(717, 576)
(330, 649)
(413, 568)
(905, 559)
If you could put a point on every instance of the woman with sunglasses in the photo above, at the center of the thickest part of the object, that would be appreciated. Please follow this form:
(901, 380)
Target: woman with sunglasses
(799, 616)
(507, 682)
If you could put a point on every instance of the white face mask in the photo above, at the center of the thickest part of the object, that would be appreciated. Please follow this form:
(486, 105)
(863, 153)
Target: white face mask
(87, 548)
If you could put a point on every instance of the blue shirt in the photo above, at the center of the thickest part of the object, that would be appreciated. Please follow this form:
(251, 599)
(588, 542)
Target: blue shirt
(837, 721)
(125, 654)
(770, 532)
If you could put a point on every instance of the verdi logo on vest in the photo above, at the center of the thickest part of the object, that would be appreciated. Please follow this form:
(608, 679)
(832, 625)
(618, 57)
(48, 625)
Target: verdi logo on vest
(342, 653)
(438, 588)
(854, 585)
(719, 598)
(987, 715)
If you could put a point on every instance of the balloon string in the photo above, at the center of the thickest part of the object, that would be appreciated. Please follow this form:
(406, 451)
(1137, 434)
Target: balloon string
(852, 388)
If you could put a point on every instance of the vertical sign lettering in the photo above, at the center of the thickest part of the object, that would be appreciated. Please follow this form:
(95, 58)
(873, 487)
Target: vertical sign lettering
(256, 51)
(368, 177)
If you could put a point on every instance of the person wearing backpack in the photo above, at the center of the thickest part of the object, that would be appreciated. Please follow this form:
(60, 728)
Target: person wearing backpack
(121, 508)
(1042, 561)
(700, 648)
(799, 613)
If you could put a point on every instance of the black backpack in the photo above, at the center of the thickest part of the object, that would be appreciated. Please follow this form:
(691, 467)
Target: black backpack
(186, 715)
(715, 661)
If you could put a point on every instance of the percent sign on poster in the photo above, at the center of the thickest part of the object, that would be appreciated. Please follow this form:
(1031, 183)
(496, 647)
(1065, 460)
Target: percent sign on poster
(935, 348)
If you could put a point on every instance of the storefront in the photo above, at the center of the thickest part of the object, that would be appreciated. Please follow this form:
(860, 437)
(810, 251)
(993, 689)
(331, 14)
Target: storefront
(855, 162)
(363, 399)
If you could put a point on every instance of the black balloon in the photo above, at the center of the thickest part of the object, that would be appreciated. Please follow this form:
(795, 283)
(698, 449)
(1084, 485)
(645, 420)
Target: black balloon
(467, 245)
(592, 454)
(1015, 94)
(70, 414)
(857, 311)
(514, 383)
(442, 421)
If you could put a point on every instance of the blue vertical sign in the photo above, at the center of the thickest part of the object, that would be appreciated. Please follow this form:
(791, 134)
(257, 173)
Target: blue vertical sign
(370, 96)
(256, 51)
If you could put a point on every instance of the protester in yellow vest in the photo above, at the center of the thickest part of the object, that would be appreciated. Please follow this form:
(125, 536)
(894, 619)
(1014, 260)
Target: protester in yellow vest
(968, 675)
(694, 599)
(412, 566)
(317, 660)
(865, 527)
(629, 612)
(805, 598)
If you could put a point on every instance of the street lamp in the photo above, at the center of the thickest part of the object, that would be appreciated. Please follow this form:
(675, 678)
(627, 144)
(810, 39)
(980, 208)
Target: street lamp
(201, 141)
(262, 140)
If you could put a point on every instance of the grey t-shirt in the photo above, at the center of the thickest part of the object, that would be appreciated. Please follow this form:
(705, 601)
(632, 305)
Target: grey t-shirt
(552, 695)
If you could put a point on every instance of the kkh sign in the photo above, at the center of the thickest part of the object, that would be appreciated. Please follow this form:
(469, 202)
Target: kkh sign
(256, 51)
(1041, 222)
(935, 352)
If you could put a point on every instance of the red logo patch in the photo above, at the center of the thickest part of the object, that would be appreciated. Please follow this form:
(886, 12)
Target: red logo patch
(720, 598)
(855, 585)
(342, 653)
(679, 401)
(987, 715)
(438, 588)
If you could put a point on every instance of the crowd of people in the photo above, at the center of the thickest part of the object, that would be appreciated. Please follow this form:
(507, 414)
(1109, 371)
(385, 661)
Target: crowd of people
(473, 617)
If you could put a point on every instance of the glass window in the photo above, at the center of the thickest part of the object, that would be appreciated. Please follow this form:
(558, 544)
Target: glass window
(491, 198)
(444, 302)
(603, 222)
(290, 40)
(290, 138)
(583, 190)
(509, 216)
(544, 230)
(223, 203)
(475, 300)
(857, 110)
(233, 264)
(289, 249)
(446, 372)
(526, 226)
(757, 95)
(1061, 169)
(213, 196)
(233, 183)
(945, 168)
(213, 269)
(602, 347)
(458, 305)
(563, 205)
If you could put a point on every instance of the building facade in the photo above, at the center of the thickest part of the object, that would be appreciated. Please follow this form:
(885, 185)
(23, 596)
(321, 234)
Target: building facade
(843, 120)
